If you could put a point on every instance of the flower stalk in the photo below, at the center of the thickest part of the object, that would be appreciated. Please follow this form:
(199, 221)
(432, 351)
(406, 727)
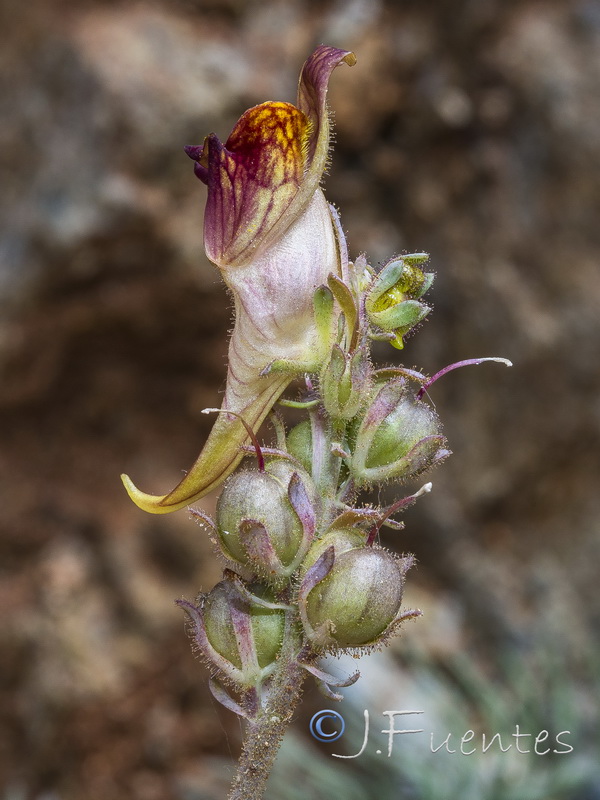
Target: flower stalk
(304, 573)
(265, 732)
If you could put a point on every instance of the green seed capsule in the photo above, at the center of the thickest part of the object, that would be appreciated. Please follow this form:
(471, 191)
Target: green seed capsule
(397, 438)
(266, 520)
(358, 600)
(259, 631)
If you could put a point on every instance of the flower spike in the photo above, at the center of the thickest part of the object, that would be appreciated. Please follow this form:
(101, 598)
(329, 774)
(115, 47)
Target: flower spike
(304, 574)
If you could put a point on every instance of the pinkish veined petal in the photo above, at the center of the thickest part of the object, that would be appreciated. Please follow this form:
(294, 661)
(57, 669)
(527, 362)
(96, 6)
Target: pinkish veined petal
(265, 174)
(252, 180)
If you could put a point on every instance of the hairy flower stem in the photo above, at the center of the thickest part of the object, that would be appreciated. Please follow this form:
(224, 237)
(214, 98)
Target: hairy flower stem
(264, 733)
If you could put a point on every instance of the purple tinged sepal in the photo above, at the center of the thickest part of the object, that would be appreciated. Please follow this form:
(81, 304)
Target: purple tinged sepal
(313, 577)
(327, 692)
(223, 697)
(258, 549)
(340, 539)
(303, 505)
(361, 516)
(325, 681)
(386, 513)
(204, 647)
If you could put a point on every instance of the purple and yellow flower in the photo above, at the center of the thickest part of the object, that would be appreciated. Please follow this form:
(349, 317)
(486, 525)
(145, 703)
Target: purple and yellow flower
(269, 229)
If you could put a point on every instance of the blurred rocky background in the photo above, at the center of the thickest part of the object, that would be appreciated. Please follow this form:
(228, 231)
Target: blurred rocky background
(469, 129)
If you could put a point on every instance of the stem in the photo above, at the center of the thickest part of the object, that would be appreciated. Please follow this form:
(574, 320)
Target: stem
(263, 735)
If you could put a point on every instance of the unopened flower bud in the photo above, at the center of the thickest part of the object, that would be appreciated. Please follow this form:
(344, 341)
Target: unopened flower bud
(358, 599)
(392, 302)
(266, 520)
(345, 382)
(246, 635)
(398, 437)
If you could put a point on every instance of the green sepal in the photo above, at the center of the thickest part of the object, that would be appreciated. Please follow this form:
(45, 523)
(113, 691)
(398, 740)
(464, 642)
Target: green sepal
(429, 277)
(299, 444)
(399, 280)
(323, 306)
(346, 301)
(345, 382)
(415, 259)
(389, 276)
(401, 317)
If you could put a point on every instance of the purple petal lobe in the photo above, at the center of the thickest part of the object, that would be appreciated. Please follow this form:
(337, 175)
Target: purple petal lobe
(252, 179)
(194, 151)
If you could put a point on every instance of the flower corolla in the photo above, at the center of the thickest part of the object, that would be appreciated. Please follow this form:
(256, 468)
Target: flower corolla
(272, 234)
